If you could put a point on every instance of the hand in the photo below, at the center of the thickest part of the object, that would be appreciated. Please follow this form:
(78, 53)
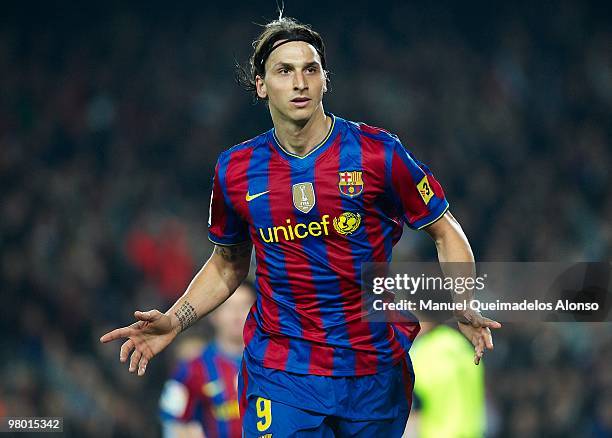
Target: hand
(148, 336)
(477, 329)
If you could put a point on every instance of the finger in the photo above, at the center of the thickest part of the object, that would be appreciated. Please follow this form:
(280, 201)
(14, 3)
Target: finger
(126, 348)
(136, 355)
(151, 315)
(478, 351)
(120, 333)
(486, 322)
(477, 354)
(488, 339)
(142, 366)
(479, 348)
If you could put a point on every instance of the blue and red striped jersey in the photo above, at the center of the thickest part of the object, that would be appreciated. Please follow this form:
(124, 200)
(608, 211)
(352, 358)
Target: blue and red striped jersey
(205, 390)
(313, 221)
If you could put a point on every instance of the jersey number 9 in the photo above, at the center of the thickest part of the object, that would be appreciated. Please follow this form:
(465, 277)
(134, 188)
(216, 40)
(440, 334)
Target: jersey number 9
(264, 411)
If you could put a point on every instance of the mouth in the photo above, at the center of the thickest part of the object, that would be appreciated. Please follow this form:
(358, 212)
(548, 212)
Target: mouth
(300, 102)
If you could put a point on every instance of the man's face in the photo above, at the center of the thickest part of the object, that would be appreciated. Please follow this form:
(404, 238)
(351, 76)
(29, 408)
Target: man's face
(294, 82)
(229, 318)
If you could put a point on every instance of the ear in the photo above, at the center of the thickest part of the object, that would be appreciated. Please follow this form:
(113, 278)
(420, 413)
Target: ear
(325, 81)
(261, 87)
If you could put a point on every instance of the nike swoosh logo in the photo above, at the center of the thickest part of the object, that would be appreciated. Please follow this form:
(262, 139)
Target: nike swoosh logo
(249, 198)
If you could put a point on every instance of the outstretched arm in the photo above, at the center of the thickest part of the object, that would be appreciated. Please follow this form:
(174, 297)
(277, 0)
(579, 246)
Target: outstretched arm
(217, 280)
(453, 246)
(213, 284)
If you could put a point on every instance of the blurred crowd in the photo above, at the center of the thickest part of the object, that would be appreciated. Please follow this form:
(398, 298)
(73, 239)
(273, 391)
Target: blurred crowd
(111, 121)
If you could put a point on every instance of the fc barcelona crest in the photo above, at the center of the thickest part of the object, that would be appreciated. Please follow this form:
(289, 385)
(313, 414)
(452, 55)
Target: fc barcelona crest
(351, 183)
(303, 196)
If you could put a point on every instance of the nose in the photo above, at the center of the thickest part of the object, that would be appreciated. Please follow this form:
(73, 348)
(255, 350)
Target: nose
(299, 81)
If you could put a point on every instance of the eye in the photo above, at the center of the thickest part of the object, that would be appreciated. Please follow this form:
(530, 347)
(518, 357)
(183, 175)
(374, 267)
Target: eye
(312, 69)
(283, 71)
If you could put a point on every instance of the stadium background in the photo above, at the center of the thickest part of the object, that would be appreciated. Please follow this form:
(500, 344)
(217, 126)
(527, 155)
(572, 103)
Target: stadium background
(111, 119)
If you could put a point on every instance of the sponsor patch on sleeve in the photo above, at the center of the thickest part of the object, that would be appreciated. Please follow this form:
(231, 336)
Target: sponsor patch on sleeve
(425, 190)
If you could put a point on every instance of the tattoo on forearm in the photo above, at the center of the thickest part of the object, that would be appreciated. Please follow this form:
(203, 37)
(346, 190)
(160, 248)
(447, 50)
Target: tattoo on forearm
(233, 253)
(186, 315)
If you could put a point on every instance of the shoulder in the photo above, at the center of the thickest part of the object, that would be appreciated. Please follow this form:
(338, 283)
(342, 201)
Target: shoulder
(377, 136)
(243, 149)
(193, 368)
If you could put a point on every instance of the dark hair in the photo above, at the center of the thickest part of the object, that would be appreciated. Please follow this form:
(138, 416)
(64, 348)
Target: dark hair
(285, 28)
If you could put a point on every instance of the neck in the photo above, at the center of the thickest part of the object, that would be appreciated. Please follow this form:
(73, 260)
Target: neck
(229, 346)
(300, 138)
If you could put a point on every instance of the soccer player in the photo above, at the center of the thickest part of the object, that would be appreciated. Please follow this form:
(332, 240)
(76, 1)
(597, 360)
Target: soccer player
(203, 392)
(316, 196)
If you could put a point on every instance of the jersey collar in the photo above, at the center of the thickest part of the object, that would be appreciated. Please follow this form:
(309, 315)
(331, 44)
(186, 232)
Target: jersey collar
(314, 151)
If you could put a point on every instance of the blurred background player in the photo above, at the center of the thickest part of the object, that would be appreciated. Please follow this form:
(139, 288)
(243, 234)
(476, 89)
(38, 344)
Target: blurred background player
(200, 400)
(449, 393)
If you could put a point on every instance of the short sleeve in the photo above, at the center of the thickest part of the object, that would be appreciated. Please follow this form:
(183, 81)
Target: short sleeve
(178, 401)
(225, 226)
(417, 193)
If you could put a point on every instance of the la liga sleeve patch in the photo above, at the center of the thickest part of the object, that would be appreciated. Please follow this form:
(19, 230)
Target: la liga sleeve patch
(425, 190)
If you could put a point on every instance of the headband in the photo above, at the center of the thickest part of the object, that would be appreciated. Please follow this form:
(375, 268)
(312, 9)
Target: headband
(289, 37)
